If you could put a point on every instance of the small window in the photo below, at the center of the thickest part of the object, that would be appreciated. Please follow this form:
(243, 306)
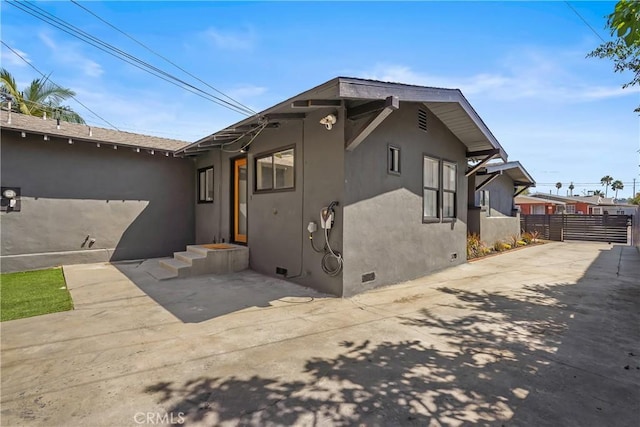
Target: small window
(431, 190)
(275, 171)
(393, 163)
(571, 209)
(449, 179)
(205, 185)
(485, 201)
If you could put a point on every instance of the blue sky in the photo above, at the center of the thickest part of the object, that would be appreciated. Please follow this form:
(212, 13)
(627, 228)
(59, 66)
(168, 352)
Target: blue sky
(522, 66)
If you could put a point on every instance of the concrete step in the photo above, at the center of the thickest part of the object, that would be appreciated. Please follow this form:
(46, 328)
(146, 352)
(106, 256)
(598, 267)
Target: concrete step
(159, 272)
(197, 249)
(189, 256)
(181, 268)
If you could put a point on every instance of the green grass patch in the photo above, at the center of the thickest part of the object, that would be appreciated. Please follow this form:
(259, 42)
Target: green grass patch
(33, 293)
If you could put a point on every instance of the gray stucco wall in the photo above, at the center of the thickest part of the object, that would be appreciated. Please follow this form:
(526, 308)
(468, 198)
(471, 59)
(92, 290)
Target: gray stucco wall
(500, 195)
(212, 224)
(134, 205)
(500, 222)
(499, 228)
(383, 231)
(277, 221)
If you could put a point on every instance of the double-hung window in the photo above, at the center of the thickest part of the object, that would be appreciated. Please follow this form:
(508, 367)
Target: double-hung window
(275, 171)
(440, 183)
(205, 185)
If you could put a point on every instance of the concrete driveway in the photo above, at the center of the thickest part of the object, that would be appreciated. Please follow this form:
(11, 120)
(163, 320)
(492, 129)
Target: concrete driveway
(547, 335)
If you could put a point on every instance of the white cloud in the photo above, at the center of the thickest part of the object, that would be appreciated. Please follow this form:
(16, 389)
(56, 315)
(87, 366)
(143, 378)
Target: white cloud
(529, 76)
(9, 58)
(69, 55)
(228, 40)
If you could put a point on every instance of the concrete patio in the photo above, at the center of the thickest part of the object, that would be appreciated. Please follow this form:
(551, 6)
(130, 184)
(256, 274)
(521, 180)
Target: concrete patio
(546, 335)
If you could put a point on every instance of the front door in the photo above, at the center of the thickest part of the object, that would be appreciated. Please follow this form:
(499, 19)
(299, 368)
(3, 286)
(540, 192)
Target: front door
(240, 200)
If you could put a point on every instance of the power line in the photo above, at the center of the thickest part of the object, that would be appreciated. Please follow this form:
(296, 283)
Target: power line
(161, 56)
(585, 22)
(59, 87)
(78, 33)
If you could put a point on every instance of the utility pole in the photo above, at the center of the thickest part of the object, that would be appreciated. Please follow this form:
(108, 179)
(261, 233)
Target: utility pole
(634, 188)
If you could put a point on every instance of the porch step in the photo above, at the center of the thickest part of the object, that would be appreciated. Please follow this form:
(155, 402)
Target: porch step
(160, 272)
(206, 259)
(189, 256)
(180, 268)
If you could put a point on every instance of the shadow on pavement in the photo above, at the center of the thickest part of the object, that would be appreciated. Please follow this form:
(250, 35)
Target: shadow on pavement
(548, 354)
(197, 299)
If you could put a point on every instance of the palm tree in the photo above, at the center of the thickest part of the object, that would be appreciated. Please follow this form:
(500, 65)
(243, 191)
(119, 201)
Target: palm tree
(571, 187)
(606, 181)
(597, 193)
(40, 97)
(617, 185)
(558, 187)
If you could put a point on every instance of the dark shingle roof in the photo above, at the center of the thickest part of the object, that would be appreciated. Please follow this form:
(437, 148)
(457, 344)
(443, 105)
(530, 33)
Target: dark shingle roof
(37, 125)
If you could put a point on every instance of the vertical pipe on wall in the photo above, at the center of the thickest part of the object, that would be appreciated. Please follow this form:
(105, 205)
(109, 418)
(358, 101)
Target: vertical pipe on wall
(302, 215)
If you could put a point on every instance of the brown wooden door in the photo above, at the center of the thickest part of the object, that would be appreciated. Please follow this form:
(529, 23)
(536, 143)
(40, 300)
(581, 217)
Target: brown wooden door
(240, 200)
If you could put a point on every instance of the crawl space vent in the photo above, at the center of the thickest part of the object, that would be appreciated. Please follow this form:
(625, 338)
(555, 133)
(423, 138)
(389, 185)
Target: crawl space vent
(368, 277)
(422, 120)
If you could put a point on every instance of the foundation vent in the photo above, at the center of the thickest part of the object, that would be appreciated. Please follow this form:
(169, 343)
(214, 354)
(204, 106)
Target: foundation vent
(369, 277)
(422, 119)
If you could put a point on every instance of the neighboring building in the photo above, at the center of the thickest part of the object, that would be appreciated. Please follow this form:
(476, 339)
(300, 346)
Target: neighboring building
(528, 205)
(492, 212)
(591, 205)
(89, 194)
(385, 164)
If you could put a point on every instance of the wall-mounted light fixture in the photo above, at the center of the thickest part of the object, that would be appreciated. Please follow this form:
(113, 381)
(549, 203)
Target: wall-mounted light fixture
(329, 121)
(10, 199)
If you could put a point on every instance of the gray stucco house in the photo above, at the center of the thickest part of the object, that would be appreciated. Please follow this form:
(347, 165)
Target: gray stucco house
(393, 156)
(386, 165)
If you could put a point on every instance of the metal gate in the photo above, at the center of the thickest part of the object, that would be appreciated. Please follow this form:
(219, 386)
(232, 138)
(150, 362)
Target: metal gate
(595, 228)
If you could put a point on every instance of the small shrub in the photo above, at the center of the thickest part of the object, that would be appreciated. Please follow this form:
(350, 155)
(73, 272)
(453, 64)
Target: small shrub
(473, 245)
(513, 240)
(521, 243)
(501, 246)
(530, 237)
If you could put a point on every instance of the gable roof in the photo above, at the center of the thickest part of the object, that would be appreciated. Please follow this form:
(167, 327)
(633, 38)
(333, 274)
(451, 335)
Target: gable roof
(590, 200)
(78, 132)
(449, 105)
(530, 200)
(515, 171)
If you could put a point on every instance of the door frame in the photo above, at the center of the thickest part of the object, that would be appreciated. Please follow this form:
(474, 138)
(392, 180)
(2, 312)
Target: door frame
(237, 238)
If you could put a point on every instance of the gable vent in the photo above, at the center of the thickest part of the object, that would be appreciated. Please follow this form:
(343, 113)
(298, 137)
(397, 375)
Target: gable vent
(422, 120)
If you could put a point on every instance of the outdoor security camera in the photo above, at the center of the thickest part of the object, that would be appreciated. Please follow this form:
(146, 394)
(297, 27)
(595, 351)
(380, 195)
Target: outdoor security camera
(329, 121)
